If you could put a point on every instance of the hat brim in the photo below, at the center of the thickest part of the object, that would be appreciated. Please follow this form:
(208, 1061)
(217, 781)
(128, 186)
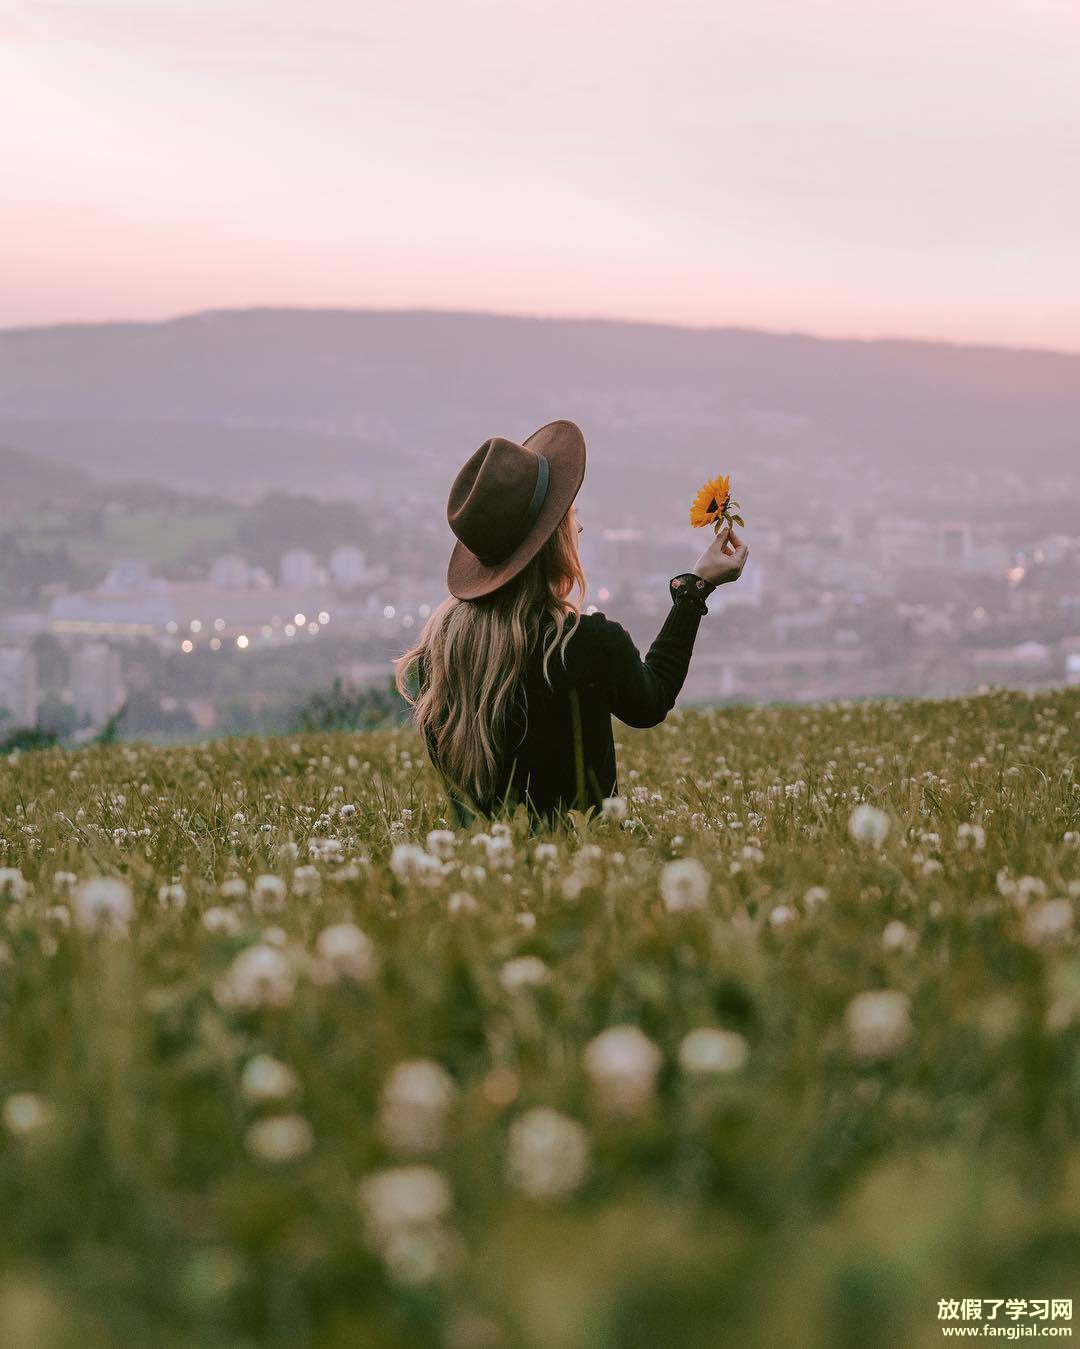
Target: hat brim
(563, 446)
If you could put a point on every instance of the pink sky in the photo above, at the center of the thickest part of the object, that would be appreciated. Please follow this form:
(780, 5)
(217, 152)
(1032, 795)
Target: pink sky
(847, 167)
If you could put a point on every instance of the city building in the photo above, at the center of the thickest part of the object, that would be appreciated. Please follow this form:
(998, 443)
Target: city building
(18, 687)
(298, 568)
(96, 682)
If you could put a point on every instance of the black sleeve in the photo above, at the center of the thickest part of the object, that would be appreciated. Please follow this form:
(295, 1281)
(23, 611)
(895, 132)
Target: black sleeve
(644, 691)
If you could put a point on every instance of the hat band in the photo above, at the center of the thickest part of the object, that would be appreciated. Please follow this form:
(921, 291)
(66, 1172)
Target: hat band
(539, 492)
(543, 473)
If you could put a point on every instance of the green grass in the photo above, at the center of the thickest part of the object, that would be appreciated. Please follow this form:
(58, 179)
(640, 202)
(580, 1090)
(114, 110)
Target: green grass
(826, 1192)
(157, 537)
(163, 537)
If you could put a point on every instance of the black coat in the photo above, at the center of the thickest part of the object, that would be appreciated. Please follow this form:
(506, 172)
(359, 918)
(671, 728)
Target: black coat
(560, 752)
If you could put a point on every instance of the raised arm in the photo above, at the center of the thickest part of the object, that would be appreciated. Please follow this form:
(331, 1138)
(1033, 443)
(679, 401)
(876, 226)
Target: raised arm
(644, 690)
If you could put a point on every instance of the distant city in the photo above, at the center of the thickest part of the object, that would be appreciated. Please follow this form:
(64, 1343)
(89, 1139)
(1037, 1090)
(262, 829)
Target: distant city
(218, 606)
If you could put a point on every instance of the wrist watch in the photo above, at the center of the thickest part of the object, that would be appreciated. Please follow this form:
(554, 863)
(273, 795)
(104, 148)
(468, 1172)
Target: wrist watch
(691, 589)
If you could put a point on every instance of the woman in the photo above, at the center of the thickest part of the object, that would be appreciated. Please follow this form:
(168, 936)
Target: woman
(512, 686)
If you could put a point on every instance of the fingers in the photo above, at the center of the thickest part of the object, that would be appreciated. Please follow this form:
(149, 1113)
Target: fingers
(723, 532)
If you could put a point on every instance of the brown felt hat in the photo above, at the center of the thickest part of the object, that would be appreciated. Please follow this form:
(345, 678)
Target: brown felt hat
(507, 502)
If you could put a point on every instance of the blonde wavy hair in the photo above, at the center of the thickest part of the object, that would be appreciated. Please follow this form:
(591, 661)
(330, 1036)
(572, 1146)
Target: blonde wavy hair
(463, 673)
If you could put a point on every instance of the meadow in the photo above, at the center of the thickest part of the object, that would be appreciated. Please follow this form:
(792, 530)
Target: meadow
(779, 1049)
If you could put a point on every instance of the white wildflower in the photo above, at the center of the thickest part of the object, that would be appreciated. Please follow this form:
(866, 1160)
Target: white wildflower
(221, 921)
(571, 887)
(306, 882)
(266, 1080)
(24, 1113)
(971, 836)
(414, 1104)
(500, 851)
(410, 863)
(548, 1154)
(343, 951)
(440, 843)
(461, 902)
(325, 849)
(523, 972)
(707, 1052)
(103, 902)
(403, 1198)
(280, 1138)
(233, 887)
(172, 896)
(813, 896)
(878, 1023)
(260, 976)
(897, 936)
(1027, 889)
(1047, 922)
(613, 807)
(13, 884)
(622, 1063)
(867, 824)
(782, 915)
(684, 885)
(268, 894)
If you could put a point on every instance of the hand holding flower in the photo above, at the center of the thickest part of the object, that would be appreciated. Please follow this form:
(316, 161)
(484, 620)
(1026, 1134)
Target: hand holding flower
(725, 557)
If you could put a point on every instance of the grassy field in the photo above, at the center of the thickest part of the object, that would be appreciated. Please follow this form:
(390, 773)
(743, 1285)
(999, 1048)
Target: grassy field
(782, 1050)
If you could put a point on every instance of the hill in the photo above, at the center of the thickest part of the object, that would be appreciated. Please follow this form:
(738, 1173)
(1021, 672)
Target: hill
(32, 480)
(372, 401)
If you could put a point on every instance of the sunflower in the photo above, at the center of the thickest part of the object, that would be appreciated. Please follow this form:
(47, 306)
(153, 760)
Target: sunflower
(711, 502)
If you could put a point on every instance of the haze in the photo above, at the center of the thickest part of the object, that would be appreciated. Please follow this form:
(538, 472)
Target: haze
(849, 168)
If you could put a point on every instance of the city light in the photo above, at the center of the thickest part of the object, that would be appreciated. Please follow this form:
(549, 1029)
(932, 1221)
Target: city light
(324, 617)
(171, 627)
(407, 621)
(313, 628)
(299, 620)
(215, 643)
(424, 610)
(388, 611)
(290, 631)
(267, 630)
(187, 646)
(603, 593)
(219, 625)
(241, 641)
(195, 625)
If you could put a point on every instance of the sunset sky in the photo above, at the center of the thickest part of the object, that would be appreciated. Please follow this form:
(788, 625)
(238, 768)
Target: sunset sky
(857, 168)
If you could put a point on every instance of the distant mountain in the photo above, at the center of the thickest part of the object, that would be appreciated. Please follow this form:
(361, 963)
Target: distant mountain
(31, 480)
(369, 402)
